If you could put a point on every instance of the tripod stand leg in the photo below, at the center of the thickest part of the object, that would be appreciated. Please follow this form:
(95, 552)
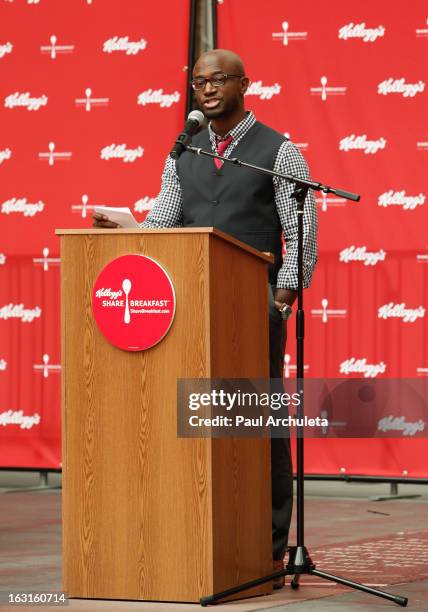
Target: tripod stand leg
(398, 599)
(295, 583)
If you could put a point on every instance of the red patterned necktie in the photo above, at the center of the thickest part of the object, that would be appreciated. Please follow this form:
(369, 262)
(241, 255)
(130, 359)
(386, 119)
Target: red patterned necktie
(221, 148)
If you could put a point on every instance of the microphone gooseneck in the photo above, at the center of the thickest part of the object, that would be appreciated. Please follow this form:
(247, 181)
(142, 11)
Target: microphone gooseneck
(194, 120)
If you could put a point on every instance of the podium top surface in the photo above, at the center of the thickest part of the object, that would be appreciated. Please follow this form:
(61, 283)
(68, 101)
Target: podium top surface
(173, 230)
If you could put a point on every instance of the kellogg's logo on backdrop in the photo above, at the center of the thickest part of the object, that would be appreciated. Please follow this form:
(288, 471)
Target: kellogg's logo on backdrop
(133, 302)
(360, 30)
(25, 100)
(408, 428)
(361, 143)
(123, 44)
(32, 1)
(5, 154)
(121, 151)
(399, 198)
(157, 96)
(400, 311)
(264, 92)
(144, 204)
(21, 205)
(360, 366)
(369, 258)
(399, 86)
(17, 417)
(5, 49)
(17, 311)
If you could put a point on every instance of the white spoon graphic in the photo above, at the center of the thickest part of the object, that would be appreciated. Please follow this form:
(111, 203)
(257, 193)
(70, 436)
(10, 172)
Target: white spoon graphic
(45, 366)
(323, 80)
(45, 259)
(88, 93)
(53, 40)
(126, 286)
(285, 35)
(324, 304)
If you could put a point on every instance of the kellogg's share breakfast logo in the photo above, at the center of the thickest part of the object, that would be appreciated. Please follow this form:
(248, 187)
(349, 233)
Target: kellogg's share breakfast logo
(133, 302)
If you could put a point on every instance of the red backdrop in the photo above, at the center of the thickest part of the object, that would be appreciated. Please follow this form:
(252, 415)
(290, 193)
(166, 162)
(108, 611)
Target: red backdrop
(101, 85)
(94, 83)
(348, 81)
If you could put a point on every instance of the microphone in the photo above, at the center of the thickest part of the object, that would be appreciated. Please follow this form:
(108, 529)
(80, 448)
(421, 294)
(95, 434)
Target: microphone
(194, 120)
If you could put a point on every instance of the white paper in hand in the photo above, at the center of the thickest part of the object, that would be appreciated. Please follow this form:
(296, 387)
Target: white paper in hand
(118, 214)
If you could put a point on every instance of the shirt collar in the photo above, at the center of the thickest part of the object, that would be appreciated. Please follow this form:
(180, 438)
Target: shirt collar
(237, 132)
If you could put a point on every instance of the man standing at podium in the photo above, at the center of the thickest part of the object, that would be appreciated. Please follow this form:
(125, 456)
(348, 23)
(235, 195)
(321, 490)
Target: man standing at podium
(252, 207)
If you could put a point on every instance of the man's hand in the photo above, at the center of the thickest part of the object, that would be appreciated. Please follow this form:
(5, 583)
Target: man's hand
(103, 222)
(284, 296)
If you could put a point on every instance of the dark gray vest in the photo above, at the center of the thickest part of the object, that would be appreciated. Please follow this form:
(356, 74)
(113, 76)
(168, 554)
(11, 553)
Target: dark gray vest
(236, 200)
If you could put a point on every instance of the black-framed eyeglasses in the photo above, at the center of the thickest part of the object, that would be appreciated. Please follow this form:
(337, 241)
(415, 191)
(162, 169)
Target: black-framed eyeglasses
(217, 80)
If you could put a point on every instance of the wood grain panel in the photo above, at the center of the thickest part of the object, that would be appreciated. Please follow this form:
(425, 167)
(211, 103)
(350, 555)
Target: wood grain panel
(136, 500)
(242, 514)
(147, 515)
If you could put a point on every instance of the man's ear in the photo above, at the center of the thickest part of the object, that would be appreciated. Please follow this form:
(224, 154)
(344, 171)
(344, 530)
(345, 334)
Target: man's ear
(245, 83)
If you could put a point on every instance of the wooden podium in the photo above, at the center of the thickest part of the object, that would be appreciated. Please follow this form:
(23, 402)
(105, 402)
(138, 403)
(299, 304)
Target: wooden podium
(148, 515)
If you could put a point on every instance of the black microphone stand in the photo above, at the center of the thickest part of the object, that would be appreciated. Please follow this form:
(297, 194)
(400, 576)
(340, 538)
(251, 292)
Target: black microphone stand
(299, 561)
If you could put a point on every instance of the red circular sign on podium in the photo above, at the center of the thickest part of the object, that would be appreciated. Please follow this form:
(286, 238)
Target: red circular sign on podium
(133, 302)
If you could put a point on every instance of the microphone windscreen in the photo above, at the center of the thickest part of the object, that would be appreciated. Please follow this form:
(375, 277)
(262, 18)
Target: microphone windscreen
(196, 115)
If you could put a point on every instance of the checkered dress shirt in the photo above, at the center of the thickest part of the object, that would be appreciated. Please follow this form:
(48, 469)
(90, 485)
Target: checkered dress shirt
(168, 208)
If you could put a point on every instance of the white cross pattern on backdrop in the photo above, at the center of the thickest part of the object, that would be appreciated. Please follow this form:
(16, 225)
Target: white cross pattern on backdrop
(291, 368)
(325, 91)
(51, 156)
(88, 102)
(303, 146)
(53, 49)
(46, 261)
(285, 36)
(422, 257)
(422, 32)
(326, 200)
(84, 207)
(46, 368)
(325, 312)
